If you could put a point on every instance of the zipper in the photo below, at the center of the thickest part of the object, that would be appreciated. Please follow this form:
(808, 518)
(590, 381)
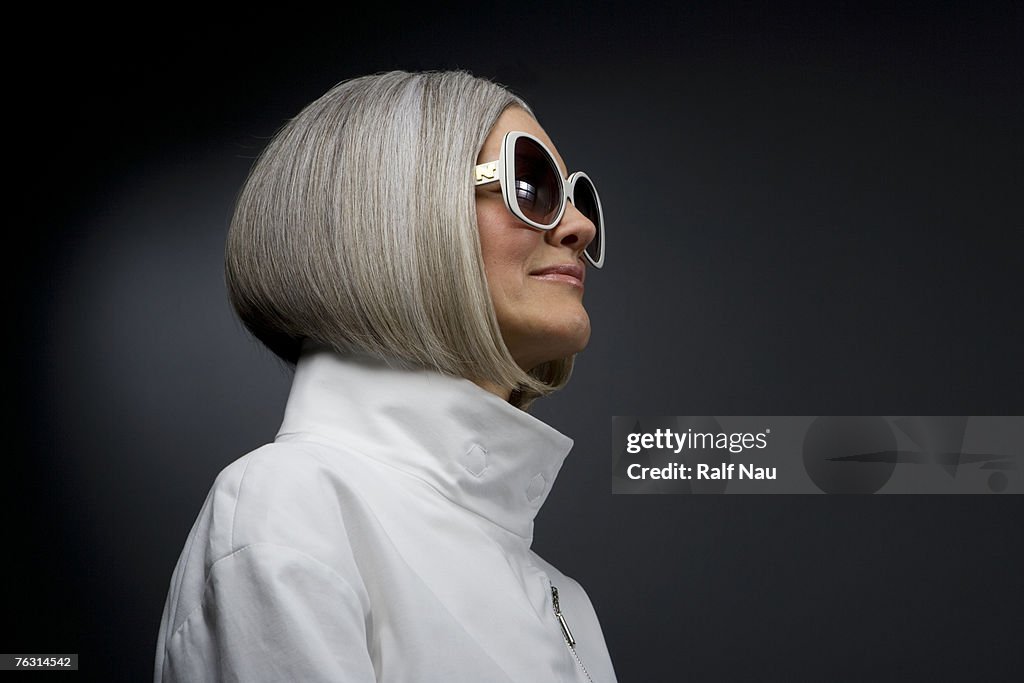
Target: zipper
(566, 633)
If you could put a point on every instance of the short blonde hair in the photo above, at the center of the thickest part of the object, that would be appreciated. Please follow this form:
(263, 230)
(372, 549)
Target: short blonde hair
(356, 228)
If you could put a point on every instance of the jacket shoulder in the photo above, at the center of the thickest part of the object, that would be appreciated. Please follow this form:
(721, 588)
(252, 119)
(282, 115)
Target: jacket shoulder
(270, 545)
(282, 493)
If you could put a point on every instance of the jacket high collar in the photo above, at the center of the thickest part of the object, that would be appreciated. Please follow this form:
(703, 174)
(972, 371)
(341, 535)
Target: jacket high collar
(474, 448)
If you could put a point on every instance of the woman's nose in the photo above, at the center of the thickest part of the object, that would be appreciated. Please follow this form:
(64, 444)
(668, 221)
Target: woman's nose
(574, 230)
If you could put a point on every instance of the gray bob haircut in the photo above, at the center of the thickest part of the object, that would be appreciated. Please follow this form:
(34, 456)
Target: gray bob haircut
(356, 228)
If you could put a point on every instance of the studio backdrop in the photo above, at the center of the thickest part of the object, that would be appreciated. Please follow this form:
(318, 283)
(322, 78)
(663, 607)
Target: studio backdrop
(811, 212)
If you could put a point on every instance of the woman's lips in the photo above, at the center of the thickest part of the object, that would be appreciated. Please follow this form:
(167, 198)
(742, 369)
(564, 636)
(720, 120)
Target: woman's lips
(570, 273)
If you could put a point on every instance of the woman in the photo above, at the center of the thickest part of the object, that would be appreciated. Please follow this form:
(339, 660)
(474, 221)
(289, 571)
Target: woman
(411, 243)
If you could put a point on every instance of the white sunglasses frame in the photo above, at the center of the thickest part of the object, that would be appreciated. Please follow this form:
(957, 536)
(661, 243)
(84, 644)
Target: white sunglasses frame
(504, 167)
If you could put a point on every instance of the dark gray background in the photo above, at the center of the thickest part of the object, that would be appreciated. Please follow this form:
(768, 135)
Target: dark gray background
(811, 211)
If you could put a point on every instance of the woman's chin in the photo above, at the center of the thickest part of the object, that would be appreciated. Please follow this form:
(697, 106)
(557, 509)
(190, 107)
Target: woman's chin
(563, 342)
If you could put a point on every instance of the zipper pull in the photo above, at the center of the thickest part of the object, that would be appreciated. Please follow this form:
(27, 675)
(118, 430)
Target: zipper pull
(561, 620)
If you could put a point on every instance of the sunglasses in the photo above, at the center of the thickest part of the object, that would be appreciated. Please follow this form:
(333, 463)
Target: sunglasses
(540, 190)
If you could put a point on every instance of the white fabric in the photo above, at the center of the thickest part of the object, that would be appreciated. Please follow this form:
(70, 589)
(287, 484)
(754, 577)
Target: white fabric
(384, 536)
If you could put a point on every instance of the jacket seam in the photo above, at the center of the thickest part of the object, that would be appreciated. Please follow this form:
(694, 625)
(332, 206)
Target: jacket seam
(234, 512)
(250, 546)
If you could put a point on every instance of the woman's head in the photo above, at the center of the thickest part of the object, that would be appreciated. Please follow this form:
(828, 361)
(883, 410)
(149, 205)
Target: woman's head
(358, 228)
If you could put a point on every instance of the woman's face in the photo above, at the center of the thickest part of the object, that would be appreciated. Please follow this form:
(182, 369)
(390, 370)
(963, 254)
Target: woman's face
(540, 310)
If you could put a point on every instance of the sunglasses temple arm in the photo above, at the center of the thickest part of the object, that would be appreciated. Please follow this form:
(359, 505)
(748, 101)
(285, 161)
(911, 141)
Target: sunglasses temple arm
(485, 173)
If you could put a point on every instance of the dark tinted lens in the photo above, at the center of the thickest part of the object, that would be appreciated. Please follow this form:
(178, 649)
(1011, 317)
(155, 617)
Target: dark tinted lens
(585, 200)
(538, 182)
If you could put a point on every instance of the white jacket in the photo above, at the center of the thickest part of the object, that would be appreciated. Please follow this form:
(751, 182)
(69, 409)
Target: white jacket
(384, 536)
